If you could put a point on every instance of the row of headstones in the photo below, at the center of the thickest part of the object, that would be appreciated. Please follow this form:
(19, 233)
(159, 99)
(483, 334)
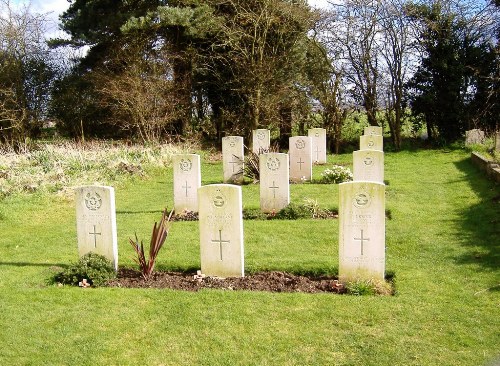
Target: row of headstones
(361, 220)
(303, 152)
(362, 212)
(477, 136)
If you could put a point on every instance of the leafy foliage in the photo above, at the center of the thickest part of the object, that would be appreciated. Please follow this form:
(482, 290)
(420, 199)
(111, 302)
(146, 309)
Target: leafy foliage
(95, 268)
(158, 237)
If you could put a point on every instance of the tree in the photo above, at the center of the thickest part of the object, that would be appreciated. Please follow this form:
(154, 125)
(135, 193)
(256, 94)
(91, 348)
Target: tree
(395, 51)
(446, 87)
(355, 29)
(26, 73)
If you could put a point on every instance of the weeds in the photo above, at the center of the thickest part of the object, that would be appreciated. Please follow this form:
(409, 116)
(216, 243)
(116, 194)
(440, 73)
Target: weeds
(52, 167)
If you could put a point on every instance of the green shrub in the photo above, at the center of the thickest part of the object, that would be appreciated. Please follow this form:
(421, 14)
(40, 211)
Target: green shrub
(368, 287)
(293, 211)
(337, 174)
(95, 268)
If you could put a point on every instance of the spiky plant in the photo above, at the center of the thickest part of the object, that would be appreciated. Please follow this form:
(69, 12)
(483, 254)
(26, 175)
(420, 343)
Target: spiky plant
(158, 237)
(251, 167)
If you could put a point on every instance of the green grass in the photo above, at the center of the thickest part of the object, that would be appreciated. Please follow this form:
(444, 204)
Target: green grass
(442, 244)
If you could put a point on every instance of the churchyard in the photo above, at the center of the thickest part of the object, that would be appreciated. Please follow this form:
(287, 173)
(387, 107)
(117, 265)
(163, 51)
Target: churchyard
(442, 242)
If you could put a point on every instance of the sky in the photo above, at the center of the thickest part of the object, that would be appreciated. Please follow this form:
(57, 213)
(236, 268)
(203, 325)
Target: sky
(54, 8)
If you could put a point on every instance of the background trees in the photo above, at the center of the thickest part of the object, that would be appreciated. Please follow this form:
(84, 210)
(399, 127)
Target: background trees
(157, 68)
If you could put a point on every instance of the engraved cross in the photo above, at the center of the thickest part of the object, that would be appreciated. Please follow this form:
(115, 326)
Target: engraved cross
(317, 151)
(186, 187)
(220, 241)
(95, 233)
(362, 239)
(233, 162)
(274, 188)
(300, 162)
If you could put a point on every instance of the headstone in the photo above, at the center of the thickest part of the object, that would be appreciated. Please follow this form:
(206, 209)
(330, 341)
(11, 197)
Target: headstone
(221, 230)
(361, 231)
(368, 165)
(497, 141)
(475, 136)
(371, 142)
(300, 158)
(261, 140)
(373, 130)
(96, 222)
(233, 159)
(274, 182)
(187, 180)
(318, 136)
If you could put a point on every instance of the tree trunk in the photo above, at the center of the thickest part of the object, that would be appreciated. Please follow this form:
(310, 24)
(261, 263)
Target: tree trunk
(285, 127)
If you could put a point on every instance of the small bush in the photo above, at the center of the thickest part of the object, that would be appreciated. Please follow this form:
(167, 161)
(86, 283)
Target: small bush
(95, 268)
(337, 174)
(293, 211)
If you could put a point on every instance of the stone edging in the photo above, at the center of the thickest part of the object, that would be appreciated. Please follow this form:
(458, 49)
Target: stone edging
(491, 168)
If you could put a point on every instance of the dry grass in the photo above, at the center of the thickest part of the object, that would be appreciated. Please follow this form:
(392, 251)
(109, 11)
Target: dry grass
(56, 166)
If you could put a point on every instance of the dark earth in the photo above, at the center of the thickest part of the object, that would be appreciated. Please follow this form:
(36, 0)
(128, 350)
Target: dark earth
(272, 281)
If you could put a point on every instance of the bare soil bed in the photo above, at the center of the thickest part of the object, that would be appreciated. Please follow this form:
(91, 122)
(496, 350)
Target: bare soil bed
(273, 281)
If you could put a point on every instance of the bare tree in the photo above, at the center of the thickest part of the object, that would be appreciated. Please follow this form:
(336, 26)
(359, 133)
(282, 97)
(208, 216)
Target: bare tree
(355, 29)
(395, 51)
(25, 73)
(142, 97)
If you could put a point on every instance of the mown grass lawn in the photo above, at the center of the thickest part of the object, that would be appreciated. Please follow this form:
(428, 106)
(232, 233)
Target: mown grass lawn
(442, 244)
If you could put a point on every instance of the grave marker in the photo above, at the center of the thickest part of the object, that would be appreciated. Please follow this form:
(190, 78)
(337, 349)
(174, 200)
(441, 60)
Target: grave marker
(221, 230)
(474, 136)
(96, 222)
(187, 180)
(300, 154)
(232, 159)
(368, 165)
(261, 140)
(274, 182)
(373, 130)
(371, 142)
(318, 136)
(361, 231)
(497, 141)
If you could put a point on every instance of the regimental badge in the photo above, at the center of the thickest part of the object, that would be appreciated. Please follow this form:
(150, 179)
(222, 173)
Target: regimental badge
(362, 200)
(273, 163)
(300, 144)
(93, 201)
(185, 165)
(218, 199)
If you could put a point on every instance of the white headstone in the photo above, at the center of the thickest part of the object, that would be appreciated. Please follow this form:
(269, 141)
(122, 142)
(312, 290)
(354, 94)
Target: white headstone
(475, 136)
(96, 222)
(274, 182)
(187, 180)
(373, 130)
(261, 140)
(361, 231)
(368, 165)
(497, 141)
(318, 136)
(221, 230)
(371, 142)
(300, 152)
(233, 159)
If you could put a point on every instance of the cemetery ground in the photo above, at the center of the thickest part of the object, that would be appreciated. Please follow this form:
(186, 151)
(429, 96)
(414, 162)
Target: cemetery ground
(442, 245)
